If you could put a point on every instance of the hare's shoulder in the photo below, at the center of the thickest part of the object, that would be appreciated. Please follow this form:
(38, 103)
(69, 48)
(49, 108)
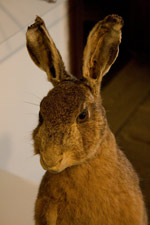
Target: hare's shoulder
(126, 169)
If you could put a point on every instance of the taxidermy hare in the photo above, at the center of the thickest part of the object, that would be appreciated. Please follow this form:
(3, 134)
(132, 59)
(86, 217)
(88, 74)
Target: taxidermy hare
(88, 180)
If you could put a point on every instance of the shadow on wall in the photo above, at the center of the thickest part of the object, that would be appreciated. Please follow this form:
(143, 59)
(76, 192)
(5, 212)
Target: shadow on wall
(5, 150)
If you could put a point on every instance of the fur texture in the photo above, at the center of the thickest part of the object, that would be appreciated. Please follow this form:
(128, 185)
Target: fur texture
(88, 179)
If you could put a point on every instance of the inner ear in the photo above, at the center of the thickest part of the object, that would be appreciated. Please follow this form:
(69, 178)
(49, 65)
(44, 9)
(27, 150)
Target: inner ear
(44, 53)
(101, 49)
(53, 72)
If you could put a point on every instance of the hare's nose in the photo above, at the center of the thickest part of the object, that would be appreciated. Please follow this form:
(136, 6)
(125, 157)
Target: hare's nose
(49, 161)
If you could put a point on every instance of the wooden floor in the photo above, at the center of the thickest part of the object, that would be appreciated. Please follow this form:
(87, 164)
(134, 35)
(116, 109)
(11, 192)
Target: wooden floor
(126, 99)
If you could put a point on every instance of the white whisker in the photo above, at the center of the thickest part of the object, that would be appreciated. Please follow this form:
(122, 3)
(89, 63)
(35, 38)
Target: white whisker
(31, 103)
(31, 94)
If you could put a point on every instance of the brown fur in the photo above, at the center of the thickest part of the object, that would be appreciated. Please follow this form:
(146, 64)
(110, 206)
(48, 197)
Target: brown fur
(88, 178)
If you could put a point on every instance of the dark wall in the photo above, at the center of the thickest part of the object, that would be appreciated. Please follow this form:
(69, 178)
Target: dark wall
(136, 33)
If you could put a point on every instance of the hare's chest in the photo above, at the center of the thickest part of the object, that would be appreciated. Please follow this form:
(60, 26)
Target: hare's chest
(81, 198)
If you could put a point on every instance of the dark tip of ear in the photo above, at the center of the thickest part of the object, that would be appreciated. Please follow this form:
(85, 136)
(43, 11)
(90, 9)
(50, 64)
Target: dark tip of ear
(39, 20)
(53, 72)
(114, 19)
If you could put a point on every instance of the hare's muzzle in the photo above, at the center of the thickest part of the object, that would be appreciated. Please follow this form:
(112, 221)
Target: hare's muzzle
(60, 163)
(51, 166)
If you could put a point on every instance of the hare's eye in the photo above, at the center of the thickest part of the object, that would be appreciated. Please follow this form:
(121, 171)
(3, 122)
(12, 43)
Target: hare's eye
(82, 117)
(40, 118)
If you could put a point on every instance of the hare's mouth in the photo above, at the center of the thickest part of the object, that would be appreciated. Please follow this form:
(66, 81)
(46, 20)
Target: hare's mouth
(66, 161)
(53, 168)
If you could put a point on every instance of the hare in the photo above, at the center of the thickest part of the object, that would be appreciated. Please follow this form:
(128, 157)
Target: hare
(88, 179)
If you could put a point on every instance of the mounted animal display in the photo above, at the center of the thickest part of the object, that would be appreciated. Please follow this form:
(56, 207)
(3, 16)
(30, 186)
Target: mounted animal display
(88, 179)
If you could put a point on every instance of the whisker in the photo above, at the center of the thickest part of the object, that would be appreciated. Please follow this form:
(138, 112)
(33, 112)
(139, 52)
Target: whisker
(36, 96)
(31, 103)
(32, 94)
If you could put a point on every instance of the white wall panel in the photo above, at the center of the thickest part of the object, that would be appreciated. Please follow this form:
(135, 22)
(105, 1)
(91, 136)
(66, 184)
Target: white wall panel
(21, 82)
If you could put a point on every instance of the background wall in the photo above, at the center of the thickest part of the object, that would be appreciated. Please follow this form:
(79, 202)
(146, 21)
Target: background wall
(22, 84)
(125, 92)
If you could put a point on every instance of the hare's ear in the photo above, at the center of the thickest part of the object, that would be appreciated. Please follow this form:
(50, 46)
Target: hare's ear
(101, 50)
(44, 52)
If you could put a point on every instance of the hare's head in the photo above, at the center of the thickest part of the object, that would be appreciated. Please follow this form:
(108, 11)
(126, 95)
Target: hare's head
(72, 120)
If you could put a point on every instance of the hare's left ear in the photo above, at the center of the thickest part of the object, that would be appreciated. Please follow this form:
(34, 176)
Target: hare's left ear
(101, 50)
(44, 52)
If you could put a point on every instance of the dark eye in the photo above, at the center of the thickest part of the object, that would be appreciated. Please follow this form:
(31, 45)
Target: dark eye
(40, 118)
(82, 117)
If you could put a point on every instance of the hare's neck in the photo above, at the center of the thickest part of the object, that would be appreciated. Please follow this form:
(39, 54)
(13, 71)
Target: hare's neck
(107, 149)
(108, 143)
(106, 153)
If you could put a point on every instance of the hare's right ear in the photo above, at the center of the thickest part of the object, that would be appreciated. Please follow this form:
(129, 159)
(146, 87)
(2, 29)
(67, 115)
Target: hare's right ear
(44, 52)
(101, 50)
